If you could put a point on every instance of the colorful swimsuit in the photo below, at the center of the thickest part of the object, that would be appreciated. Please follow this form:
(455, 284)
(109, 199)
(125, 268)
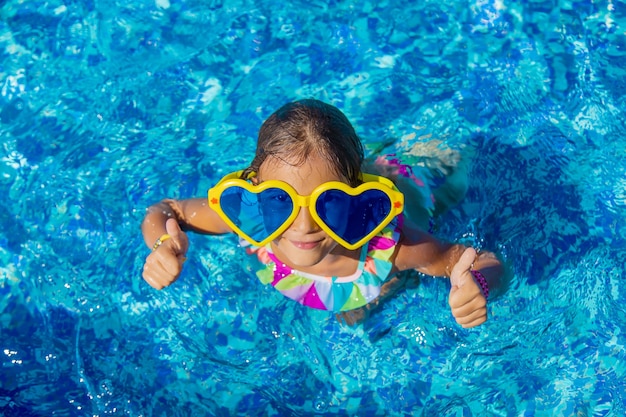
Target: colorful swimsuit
(336, 293)
(362, 287)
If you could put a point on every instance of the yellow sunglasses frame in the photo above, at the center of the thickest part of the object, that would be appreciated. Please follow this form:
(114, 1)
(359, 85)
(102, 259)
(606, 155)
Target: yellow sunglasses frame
(370, 182)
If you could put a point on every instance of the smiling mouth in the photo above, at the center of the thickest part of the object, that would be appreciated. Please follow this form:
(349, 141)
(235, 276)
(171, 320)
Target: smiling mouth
(306, 245)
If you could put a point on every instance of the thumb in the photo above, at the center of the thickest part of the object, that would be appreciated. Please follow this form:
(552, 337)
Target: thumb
(460, 272)
(178, 236)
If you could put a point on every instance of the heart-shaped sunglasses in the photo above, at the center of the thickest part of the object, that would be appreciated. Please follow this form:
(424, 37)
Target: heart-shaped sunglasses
(351, 216)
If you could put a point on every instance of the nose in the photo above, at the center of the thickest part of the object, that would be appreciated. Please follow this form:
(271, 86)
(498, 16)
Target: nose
(304, 223)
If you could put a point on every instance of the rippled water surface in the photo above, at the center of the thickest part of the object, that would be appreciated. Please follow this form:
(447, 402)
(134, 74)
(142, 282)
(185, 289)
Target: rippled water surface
(109, 106)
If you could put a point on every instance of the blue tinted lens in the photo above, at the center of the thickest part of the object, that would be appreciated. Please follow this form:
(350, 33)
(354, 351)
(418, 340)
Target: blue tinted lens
(276, 207)
(353, 217)
(258, 215)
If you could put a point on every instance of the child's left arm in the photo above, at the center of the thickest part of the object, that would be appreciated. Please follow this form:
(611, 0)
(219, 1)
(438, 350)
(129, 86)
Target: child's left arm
(473, 276)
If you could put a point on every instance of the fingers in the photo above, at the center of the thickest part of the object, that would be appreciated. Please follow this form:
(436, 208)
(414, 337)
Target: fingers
(471, 304)
(460, 296)
(157, 276)
(178, 237)
(163, 266)
(470, 315)
(468, 305)
(155, 280)
(460, 271)
(476, 318)
(172, 227)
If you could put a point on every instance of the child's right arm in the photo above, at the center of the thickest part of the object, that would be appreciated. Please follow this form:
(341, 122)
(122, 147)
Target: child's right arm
(162, 230)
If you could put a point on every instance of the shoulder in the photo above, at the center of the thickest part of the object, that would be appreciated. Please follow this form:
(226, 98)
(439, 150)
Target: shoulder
(420, 250)
(195, 214)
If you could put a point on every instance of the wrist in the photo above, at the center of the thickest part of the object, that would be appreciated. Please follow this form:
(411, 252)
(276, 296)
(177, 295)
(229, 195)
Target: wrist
(492, 269)
(481, 281)
(160, 241)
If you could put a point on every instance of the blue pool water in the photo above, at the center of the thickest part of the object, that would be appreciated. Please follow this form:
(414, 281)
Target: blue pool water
(109, 106)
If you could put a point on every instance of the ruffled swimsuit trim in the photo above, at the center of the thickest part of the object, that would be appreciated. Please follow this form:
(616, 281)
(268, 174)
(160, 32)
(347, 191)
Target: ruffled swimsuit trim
(336, 293)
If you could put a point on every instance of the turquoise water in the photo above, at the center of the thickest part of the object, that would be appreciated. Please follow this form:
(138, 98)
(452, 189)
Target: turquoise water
(107, 107)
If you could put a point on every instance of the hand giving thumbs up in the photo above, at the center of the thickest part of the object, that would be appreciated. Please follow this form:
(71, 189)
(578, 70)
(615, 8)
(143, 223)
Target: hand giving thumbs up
(467, 302)
(165, 263)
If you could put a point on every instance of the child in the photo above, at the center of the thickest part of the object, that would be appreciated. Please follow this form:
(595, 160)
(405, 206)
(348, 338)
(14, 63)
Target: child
(332, 237)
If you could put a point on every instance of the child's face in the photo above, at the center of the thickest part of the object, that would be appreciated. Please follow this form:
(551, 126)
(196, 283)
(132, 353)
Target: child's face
(304, 243)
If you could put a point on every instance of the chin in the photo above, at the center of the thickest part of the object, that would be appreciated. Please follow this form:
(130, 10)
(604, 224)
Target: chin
(299, 258)
(302, 260)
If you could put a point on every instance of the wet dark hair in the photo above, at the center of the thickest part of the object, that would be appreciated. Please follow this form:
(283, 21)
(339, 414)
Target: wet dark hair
(305, 127)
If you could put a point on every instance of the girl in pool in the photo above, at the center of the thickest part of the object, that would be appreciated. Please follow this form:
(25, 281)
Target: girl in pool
(331, 236)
